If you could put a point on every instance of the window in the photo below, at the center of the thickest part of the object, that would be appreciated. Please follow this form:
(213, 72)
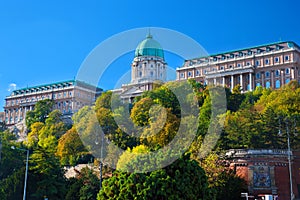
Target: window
(54, 96)
(238, 65)
(257, 75)
(258, 51)
(276, 60)
(197, 72)
(151, 66)
(230, 66)
(267, 61)
(257, 63)
(277, 84)
(287, 81)
(267, 74)
(277, 73)
(287, 70)
(65, 94)
(140, 74)
(189, 74)
(248, 63)
(182, 75)
(222, 67)
(257, 84)
(249, 53)
(268, 84)
(70, 94)
(151, 74)
(268, 49)
(286, 58)
(278, 47)
(205, 71)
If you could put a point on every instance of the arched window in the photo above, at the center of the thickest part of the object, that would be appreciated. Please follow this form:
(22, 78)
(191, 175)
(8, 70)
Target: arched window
(287, 81)
(277, 73)
(287, 70)
(257, 84)
(268, 85)
(277, 84)
(140, 74)
(257, 75)
(267, 74)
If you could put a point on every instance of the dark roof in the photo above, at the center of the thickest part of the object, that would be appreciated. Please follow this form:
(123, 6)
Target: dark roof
(244, 49)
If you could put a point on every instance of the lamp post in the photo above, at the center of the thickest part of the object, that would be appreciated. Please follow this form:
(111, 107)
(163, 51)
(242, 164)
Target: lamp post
(26, 170)
(289, 160)
(100, 160)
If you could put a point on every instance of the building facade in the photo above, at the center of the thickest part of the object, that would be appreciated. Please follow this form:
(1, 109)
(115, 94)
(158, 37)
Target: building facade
(68, 96)
(147, 68)
(269, 66)
(267, 171)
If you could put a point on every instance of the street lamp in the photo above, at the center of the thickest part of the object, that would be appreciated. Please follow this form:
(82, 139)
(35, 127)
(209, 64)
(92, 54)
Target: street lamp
(289, 160)
(289, 156)
(26, 170)
(100, 160)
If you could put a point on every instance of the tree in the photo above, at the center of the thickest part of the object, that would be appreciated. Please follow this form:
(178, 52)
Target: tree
(224, 184)
(84, 187)
(183, 179)
(47, 174)
(40, 112)
(70, 148)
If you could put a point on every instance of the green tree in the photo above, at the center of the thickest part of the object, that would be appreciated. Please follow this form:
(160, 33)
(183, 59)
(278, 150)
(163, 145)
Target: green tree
(40, 112)
(84, 187)
(47, 174)
(70, 148)
(224, 184)
(183, 179)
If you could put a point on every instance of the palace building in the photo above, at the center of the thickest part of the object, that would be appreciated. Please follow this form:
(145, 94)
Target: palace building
(148, 67)
(69, 96)
(269, 66)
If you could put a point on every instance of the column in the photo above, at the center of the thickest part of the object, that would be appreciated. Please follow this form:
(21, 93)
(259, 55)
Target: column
(241, 81)
(263, 79)
(293, 75)
(250, 81)
(282, 77)
(272, 79)
(223, 81)
(232, 82)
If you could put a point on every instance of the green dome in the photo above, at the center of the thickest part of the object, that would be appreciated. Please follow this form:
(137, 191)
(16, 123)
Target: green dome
(149, 47)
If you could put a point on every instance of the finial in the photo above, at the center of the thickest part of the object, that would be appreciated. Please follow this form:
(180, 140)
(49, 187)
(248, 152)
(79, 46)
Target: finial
(149, 36)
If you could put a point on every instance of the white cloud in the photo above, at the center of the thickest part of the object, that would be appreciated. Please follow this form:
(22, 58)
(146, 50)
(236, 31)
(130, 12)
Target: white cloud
(12, 87)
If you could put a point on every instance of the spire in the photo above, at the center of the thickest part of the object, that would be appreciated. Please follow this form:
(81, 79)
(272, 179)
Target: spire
(149, 36)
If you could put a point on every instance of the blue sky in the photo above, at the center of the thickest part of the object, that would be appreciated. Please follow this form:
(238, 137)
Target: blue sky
(46, 41)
